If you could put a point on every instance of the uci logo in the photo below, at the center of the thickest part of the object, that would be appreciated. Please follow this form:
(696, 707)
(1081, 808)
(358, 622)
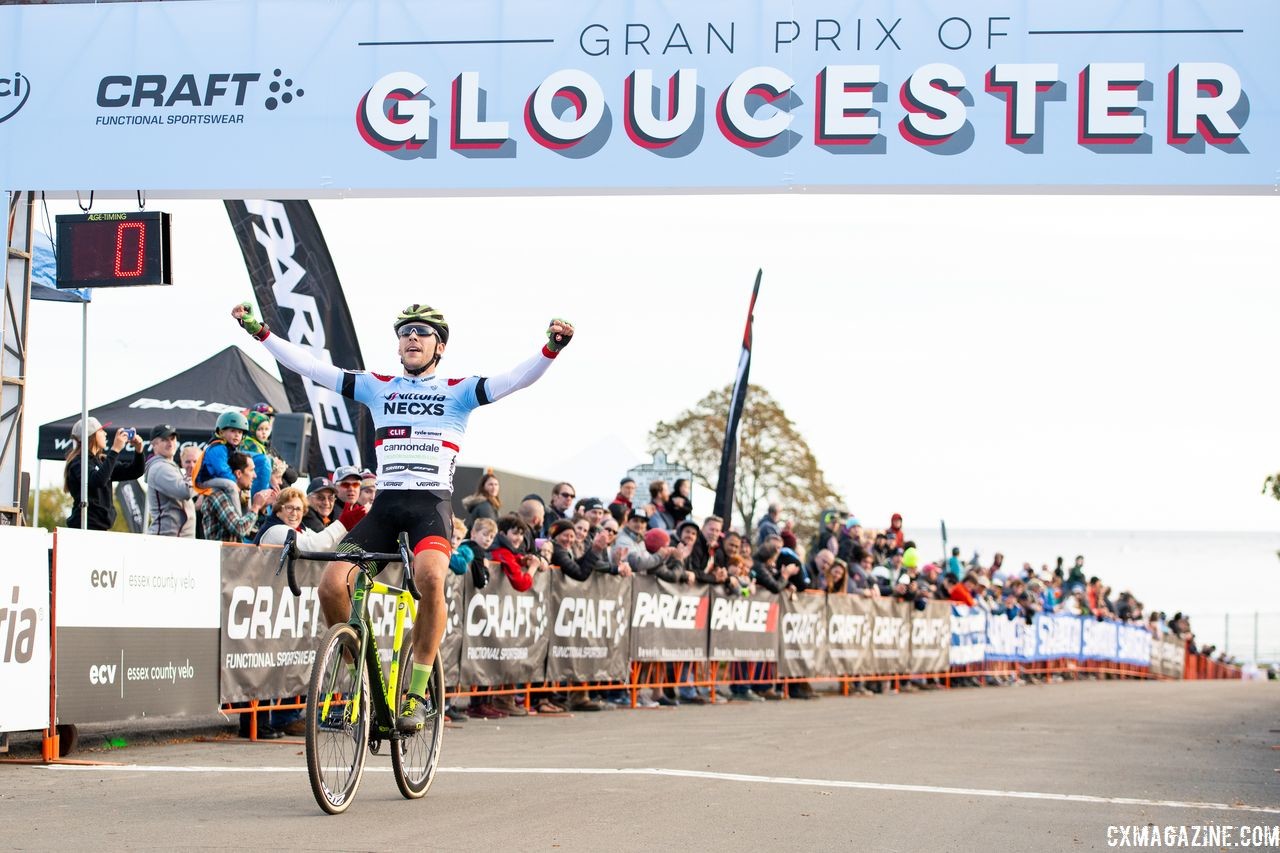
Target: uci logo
(14, 92)
(395, 113)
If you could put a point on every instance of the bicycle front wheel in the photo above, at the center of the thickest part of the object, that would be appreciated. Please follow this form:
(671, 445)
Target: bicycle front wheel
(415, 757)
(337, 720)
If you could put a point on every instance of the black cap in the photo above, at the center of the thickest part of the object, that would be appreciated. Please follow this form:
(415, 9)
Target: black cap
(162, 431)
(318, 483)
(592, 503)
(639, 512)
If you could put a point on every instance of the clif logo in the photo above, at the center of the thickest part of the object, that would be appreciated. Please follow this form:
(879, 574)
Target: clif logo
(14, 92)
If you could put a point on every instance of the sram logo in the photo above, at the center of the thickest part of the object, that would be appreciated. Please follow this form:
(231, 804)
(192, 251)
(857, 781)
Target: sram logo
(736, 614)
(664, 610)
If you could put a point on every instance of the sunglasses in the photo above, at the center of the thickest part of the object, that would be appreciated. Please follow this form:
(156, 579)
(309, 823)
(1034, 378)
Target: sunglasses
(420, 331)
(569, 495)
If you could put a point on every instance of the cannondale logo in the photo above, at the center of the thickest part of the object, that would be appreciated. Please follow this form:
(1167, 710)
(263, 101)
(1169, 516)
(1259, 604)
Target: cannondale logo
(282, 91)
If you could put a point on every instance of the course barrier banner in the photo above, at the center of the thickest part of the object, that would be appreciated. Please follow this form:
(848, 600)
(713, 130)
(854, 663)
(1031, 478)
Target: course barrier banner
(968, 634)
(451, 642)
(668, 621)
(744, 628)
(589, 624)
(1058, 635)
(804, 637)
(1099, 640)
(339, 99)
(25, 663)
(1169, 656)
(849, 620)
(138, 621)
(269, 636)
(890, 635)
(1133, 645)
(931, 637)
(1010, 639)
(505, 636)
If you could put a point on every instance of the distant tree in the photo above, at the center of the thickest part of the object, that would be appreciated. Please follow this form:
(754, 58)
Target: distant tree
(55, 506)
(1271, 486)
(774, 461)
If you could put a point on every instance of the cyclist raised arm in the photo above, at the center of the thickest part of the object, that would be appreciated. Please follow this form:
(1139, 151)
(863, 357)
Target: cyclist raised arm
(419, 420)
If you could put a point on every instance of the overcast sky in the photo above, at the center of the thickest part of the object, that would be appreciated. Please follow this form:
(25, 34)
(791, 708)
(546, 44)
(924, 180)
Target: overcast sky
(997, 361)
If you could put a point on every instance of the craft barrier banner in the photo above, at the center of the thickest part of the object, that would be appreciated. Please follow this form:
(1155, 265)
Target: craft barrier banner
(451, 642)
(1058, 635)
(25, 660)
(1010, 639)
(890, 636)
(1169, 657)
(968, 634)
(1099, 640)
(505, 633)
(668, 621)
(931, 637)
(269, 635)
(367, 98)
(138, 625)
(804, 636)
(589, 625)
(1134, 645)
(849, 620)
(744, 628)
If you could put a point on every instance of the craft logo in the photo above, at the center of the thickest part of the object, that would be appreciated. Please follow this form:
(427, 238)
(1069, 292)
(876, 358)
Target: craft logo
(14, 92)
(257, 612)
(586, 618)
(220, 97)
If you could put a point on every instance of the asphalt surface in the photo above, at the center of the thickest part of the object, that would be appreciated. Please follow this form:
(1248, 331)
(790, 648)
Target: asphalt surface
(1024, 768)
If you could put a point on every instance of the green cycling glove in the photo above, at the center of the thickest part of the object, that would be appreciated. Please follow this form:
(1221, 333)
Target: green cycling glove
(557, 342)
(250, 323)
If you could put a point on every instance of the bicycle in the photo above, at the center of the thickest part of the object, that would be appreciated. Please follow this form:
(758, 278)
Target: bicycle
(339, 698)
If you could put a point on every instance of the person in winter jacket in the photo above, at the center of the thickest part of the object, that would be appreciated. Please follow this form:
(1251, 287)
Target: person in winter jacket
(511, 552)
(215, 472)
(485, 501)
(97, 505)
(170, 508)
(286, 515)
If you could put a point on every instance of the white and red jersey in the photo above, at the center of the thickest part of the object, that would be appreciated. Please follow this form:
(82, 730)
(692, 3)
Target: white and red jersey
(419, 421)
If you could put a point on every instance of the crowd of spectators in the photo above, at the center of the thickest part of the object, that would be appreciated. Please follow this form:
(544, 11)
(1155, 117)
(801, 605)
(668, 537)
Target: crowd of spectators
(240, 490)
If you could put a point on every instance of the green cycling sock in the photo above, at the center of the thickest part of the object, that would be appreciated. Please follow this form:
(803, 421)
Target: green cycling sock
(421, 678)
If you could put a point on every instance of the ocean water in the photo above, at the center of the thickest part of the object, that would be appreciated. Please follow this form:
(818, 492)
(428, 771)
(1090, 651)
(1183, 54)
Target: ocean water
(1221, 579)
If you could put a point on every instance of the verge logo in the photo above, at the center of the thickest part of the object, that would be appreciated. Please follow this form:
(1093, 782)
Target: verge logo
(14, 92)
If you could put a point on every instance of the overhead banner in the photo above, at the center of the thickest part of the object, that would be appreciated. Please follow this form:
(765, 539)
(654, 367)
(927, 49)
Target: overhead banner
(505, 636)
(804, 637)
(137, 626)
(339, 99)
(931, 637)
(589, 628)
(744, 628)
(668, 621)
(849, 635)
(25, 662)
(300, 296)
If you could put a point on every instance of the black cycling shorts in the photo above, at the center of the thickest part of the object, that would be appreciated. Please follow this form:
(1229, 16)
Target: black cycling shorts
(427, 516)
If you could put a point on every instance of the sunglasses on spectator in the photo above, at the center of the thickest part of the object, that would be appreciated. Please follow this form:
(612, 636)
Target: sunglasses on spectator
(610, 529)
(420, 331)
(569, 495)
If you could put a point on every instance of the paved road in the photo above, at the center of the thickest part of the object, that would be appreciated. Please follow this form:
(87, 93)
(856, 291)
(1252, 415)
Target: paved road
(1026, 768)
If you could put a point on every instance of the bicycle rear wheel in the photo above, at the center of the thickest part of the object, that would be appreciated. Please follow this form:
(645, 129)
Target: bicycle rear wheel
(415, 757)
(337, 720)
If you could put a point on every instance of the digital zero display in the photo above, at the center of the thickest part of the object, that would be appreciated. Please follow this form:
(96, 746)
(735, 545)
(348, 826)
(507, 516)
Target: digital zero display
(113, 249)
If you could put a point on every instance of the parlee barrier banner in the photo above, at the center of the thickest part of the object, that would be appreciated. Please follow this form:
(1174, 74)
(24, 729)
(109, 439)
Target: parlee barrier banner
(25, 663)
(338, 99)
(137, 625)
(931, 637)
(668, 621)
(968, 634)
(589, 628)
(804, 636)
(744, 628)
(505, 636)
(849, 635)
(890, 635)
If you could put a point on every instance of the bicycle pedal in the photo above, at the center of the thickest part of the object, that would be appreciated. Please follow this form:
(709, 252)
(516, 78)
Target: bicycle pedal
(375, 746)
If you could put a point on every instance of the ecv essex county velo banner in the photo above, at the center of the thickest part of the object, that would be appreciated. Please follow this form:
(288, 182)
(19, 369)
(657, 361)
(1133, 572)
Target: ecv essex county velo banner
(368, 98)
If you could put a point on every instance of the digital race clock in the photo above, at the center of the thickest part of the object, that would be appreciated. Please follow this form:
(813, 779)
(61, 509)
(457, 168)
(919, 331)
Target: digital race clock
(113, 249)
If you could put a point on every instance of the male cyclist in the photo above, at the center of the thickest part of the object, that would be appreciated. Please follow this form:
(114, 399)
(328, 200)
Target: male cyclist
(419, 420)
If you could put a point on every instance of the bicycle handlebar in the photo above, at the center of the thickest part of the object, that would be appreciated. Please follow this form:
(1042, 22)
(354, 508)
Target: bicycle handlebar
(290, 553)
